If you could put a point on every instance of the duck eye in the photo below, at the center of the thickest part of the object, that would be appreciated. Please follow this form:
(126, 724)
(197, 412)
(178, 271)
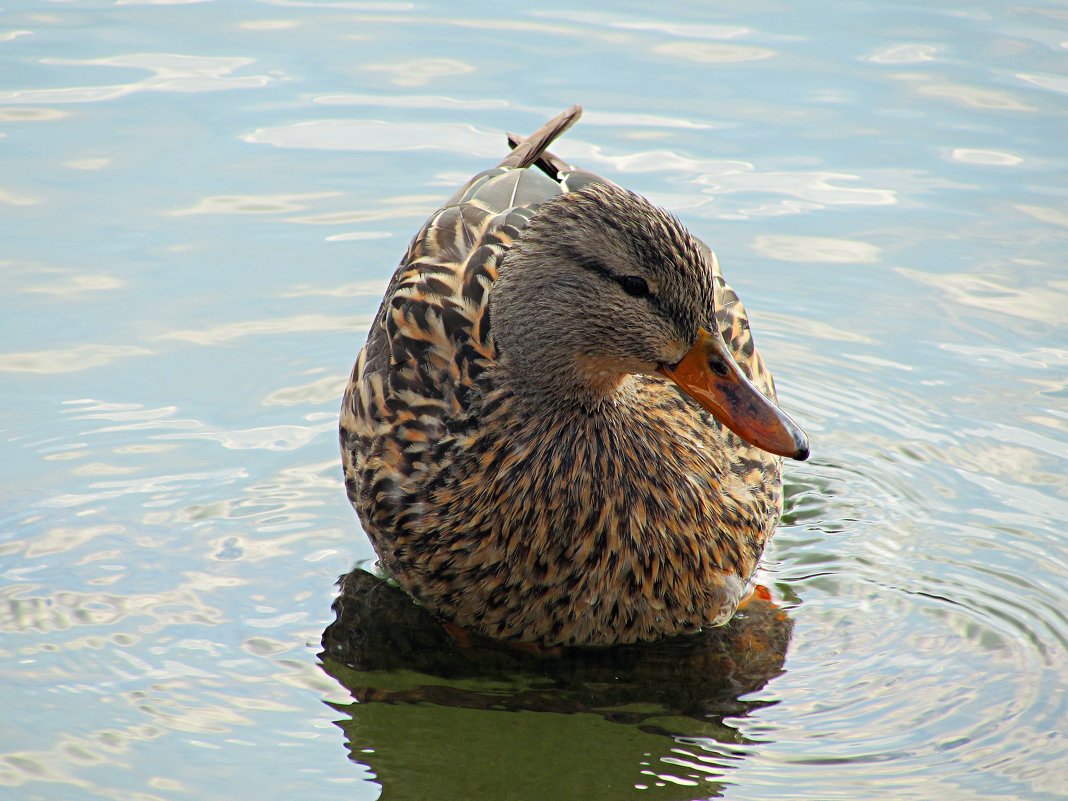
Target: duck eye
(634, 285)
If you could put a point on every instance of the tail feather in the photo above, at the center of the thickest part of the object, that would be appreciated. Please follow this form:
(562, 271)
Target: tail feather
(550, 164)
(532, 149)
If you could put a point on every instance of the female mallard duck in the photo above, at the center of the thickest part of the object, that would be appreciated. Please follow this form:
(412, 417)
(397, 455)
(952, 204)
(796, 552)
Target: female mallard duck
(537, 435)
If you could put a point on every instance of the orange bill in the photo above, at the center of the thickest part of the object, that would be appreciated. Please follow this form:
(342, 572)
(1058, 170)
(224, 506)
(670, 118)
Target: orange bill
(709, 375)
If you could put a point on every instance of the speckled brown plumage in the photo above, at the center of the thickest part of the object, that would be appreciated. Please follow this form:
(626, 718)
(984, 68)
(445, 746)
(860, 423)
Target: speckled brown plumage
(513, 477)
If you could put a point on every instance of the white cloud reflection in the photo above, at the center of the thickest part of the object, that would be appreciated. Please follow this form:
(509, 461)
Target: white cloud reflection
(280, 325)
(68, 360)
(253, 204)
(421, 71)
(380, 136)
(908, 53)
(170, 72)
(816, 249)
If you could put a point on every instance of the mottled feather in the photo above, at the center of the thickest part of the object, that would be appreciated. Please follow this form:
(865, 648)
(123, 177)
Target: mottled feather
(641, 518)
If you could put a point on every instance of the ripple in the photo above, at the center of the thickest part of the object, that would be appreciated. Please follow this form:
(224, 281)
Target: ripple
(76, 284)
(816, 249)
(1055, 83)
(660, 27)
(421, 71)
(909, 53)
(986, 158)
(266, 438)
(995, 294)
(354, 5)
(725, 177)
(359, 236)
(158, 2)
(963, 95)
(390, 208)
(379, 136)
(820, 188)
(303, 323)
(709, 53)
(169, 73)
(1044, 214)
(880, 639)
(642, 120)
(944, 643)
(15, 199)
(696, 31)
(161, 488)
(270, 25)
(98, 163)
(320, 391)
(372, 288)
(410, 101)
(16, 114)
(253, 204)
(64, 538)
(22, 611)
(816, 329)
(68, 360)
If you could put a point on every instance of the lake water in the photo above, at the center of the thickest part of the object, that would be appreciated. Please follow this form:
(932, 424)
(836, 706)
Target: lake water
(200, 204)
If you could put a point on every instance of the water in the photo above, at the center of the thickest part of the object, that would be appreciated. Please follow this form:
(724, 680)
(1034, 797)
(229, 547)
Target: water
(200, 205)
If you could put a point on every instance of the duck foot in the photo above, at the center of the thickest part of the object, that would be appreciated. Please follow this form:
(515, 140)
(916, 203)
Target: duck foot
(758, 593)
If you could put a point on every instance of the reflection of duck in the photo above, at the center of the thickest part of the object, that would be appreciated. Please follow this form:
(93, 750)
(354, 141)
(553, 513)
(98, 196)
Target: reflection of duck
(514, 435)
(436, 720)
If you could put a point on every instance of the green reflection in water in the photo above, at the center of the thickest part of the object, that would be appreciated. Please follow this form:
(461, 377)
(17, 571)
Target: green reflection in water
(433, 718)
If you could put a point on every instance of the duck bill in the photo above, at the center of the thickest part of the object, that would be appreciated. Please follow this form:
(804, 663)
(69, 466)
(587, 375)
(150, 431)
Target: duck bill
(709, 375)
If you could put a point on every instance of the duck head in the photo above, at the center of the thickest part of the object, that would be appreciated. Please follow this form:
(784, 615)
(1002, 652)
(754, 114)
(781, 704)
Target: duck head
(602, 284)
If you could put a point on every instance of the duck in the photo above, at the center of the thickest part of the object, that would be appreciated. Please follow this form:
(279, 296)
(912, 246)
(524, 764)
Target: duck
(559, 431)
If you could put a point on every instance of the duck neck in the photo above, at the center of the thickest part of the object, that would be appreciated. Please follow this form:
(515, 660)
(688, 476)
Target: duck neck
(561, 383)
(542, 351)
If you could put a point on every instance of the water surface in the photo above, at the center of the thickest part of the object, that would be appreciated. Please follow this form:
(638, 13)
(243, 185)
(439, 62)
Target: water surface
(200, 204)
